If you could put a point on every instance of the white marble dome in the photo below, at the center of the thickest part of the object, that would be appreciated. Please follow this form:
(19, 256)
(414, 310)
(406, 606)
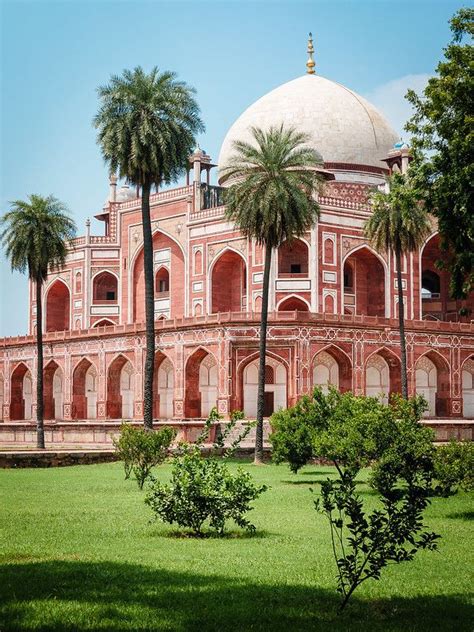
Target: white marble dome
(342, 125)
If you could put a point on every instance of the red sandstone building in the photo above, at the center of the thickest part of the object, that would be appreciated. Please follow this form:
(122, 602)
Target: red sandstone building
(333, 299)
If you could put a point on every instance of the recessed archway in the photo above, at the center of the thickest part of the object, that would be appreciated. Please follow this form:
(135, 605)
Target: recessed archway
(468, 388)
(377, 378)
(432, 381)
(229, 283)
(163, 387)
(331, 366)
(84, 388)
(293, 304)
(364, 283)
(105, 288)
(293, 259)
(275, 396)
(120, 389)
(21, 393)
(58, 306)
(53, 397)
(201, 384)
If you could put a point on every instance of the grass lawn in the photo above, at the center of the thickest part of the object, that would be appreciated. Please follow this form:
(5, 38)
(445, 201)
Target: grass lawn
(78, 552)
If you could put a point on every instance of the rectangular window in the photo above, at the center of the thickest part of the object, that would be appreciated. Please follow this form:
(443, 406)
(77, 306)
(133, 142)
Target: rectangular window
(295, 268)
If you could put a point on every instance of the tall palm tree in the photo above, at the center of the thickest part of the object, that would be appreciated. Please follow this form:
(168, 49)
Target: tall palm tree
(146, 130)
(271, 198)
(399, 224)
(35, 235)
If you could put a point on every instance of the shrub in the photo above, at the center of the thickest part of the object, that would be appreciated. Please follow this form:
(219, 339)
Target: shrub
(454, 467)
(237, 415)
(359, 432)
(203, 491)
(294, 430)
(140, 450)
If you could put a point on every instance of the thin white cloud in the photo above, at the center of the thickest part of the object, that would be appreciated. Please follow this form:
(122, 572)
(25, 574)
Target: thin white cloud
(389, 98)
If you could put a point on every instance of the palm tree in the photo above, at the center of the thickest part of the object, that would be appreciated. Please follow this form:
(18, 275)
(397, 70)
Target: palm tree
(35, 236)
(146, 130)
(271, 198)
(399, 224)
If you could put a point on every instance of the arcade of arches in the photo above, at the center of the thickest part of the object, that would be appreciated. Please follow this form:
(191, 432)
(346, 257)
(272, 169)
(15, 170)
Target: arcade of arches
(201, 387)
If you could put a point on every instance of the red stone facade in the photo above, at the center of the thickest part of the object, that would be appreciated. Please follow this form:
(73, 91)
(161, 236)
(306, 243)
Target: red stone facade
(333, 304)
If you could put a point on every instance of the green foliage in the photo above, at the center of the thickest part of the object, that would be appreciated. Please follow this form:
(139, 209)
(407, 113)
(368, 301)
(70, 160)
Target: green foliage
(454, 467)
(35, 235)
(360, 431)
(294, 430)
(443, 141)
(202, 490)
(140, 449)
(237, 415)
(272, 183)
(146, 125)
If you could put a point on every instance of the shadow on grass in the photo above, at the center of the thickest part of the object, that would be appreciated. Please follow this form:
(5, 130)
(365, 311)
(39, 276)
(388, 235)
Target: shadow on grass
(183, 534)
(79, 595)
(462, 515)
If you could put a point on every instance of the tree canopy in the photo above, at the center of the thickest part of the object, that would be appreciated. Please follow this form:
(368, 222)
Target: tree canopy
(443, 147)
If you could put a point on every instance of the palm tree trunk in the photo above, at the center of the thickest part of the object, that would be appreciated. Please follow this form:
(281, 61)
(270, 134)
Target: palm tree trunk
(401, 321)
(39, 368)
(262, 350)
(149, 309)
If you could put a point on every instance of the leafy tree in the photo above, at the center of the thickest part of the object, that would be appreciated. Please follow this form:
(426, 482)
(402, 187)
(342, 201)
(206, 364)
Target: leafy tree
(202, 490)
(146, 129)
(398, 224)
(35, 235)
(443, 135)
(140, 450)
(363, 432)
(454, 467)
(271, 198)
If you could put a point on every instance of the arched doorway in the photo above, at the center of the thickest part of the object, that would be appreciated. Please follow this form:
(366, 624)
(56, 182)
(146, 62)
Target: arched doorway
(377, 378)
(229, 283)
(21, 394)
(364, 283)
(293, 259)
(105, 288)
(275, 387)
(163, 385)
(325, 372)
(84, 387)
(331, 366)
(293, 304)
(53, 391)
(120, 389)
(468, 388)
(201, 384)
(58, 307)
(426, 376)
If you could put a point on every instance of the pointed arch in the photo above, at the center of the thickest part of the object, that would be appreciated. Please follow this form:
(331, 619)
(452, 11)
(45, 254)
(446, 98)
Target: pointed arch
(228, 281)
(53, 390)
(84, 390)
(293, 303)
(21, 393)
(370, 293)
(394, 368)
(58, 306)
(103, 322)
(432, 373)
(120, 388)
(276, 384)
(467, 382)
(105, 287)
(293, 258)
(200, 383)
(338, 372)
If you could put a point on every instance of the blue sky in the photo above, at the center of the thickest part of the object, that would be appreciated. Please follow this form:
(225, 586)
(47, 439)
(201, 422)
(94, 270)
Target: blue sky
(55, 54)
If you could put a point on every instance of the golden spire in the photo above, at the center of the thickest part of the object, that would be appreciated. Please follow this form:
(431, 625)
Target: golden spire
(310, 64)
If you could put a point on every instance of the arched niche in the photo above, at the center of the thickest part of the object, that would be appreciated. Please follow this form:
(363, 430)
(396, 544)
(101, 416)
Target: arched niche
(468, 388)
(84, 388)
(332, 367)
(201, 384)
(58, 306)
(364, 283)
(229, 283)
(293, 304)
(105, 288)
(162, 283)
(53, 391)
(163, 387)
(120, 389)
(432, 381)
(293, 259)
(275, 396)
(21, 393)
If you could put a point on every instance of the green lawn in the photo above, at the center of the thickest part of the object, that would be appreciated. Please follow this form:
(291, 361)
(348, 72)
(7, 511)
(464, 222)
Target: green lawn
(77, 552)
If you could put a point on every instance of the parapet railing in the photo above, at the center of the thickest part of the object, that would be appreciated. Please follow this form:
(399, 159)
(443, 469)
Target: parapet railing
(246, 318)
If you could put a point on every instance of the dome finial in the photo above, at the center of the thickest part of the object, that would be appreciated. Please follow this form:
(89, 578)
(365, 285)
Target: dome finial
(310, 64)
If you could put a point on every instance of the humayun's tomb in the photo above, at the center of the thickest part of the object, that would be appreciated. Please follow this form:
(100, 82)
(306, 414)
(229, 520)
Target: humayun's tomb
(333, 299)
